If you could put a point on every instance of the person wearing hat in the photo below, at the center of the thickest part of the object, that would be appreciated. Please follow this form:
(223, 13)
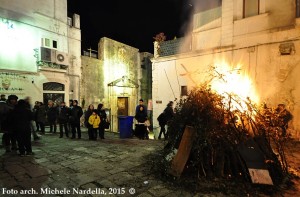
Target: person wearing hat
(3, 97)
(9, 137)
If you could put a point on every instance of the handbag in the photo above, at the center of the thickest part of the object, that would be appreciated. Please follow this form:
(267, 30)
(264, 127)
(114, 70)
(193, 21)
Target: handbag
(147, 123)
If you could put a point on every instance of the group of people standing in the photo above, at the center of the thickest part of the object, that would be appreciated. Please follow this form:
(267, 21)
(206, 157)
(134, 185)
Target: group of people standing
(95, 120)
(15, 124)
(17, 119)
(141, 117)
(68, 118)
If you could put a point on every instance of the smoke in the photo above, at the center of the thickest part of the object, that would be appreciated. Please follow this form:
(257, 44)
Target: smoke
(190, 8)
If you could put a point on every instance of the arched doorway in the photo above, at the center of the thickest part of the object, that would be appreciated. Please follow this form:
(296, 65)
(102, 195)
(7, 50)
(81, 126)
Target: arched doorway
(53, 91)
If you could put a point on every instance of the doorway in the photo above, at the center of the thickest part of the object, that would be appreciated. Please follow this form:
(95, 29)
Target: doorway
(122, 104)
(55, 97)
(53, 91)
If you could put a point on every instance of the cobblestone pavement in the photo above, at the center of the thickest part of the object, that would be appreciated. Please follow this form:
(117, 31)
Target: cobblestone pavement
(72, 167)
(68, 167)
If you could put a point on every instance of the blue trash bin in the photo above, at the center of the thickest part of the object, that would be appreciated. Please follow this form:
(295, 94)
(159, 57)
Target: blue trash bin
(125, 126)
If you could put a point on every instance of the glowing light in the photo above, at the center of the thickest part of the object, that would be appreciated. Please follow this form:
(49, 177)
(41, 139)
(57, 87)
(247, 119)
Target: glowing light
(233, 81)
(17, 43)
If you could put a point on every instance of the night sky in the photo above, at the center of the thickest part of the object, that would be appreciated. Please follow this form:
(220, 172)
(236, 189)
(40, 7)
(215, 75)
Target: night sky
(132, 22)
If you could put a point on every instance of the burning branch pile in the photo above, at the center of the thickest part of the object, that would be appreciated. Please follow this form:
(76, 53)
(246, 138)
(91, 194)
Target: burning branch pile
(228, 131)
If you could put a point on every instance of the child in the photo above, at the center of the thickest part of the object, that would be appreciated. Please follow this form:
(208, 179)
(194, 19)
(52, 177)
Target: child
(94, 121)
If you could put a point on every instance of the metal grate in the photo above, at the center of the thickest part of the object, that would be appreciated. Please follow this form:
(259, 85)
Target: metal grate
(54, 86)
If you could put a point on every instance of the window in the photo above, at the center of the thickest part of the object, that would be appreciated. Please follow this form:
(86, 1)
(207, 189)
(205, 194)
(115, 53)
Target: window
(47, 42)
(54, 44)
(53, 86)
(297, 8)
(54, 92)
(184, 91)
(251, 8)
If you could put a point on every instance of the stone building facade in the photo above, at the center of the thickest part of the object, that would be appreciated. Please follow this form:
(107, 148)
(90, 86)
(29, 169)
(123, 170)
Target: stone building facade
(117, 78)
(257, 40)
(40, 50)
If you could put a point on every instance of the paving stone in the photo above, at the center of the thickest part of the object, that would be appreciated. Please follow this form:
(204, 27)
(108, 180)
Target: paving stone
(80, 149)
(145, 195)
(37, 171)
(9, 183)
(180, 194)
(116, 170)
(13, 169)
(67, 163)
(35, 183)
(106, 183)
(41, 160)
(111, 163)
(4, 175)
(73, 157)
(121, 178)
(82, 178)
(159, 190)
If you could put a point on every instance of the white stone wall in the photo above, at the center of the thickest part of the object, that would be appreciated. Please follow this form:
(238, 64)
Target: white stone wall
(37, 20)
(255, 50)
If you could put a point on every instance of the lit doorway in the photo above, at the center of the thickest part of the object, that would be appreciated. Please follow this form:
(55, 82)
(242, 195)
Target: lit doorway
(53, 91)
(122, 104)
(55, 97)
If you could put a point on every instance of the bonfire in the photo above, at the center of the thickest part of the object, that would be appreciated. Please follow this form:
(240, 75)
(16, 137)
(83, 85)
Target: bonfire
(222, 136)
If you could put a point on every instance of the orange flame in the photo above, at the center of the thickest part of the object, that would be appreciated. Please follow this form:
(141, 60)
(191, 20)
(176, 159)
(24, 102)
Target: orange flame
(234, 82)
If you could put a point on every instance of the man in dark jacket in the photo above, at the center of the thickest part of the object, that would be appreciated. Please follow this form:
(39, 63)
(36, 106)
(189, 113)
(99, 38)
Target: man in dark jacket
(33, 130)
(102, 114)
(9, 137)
(3, 113)
(76, 113)
(52, 114)
(40, 115)
(3, 109)
(21, 117)
(168, 114)
(141, 117)
(63, 117)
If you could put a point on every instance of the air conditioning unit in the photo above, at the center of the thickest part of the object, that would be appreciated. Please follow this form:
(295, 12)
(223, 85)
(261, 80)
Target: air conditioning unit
(61, 58)
(46, 54)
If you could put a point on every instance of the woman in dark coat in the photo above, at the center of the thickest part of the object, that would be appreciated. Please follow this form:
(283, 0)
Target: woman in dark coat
(141, 118)
(21, 117)
(41, 116)
(52, 113)
(103, 117)
(87, 114)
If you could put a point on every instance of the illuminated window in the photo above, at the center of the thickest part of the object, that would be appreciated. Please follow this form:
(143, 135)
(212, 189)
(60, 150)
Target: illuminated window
(251, 8)
(297, 8)
(184, 91)
(47, 42)
(54, 44)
